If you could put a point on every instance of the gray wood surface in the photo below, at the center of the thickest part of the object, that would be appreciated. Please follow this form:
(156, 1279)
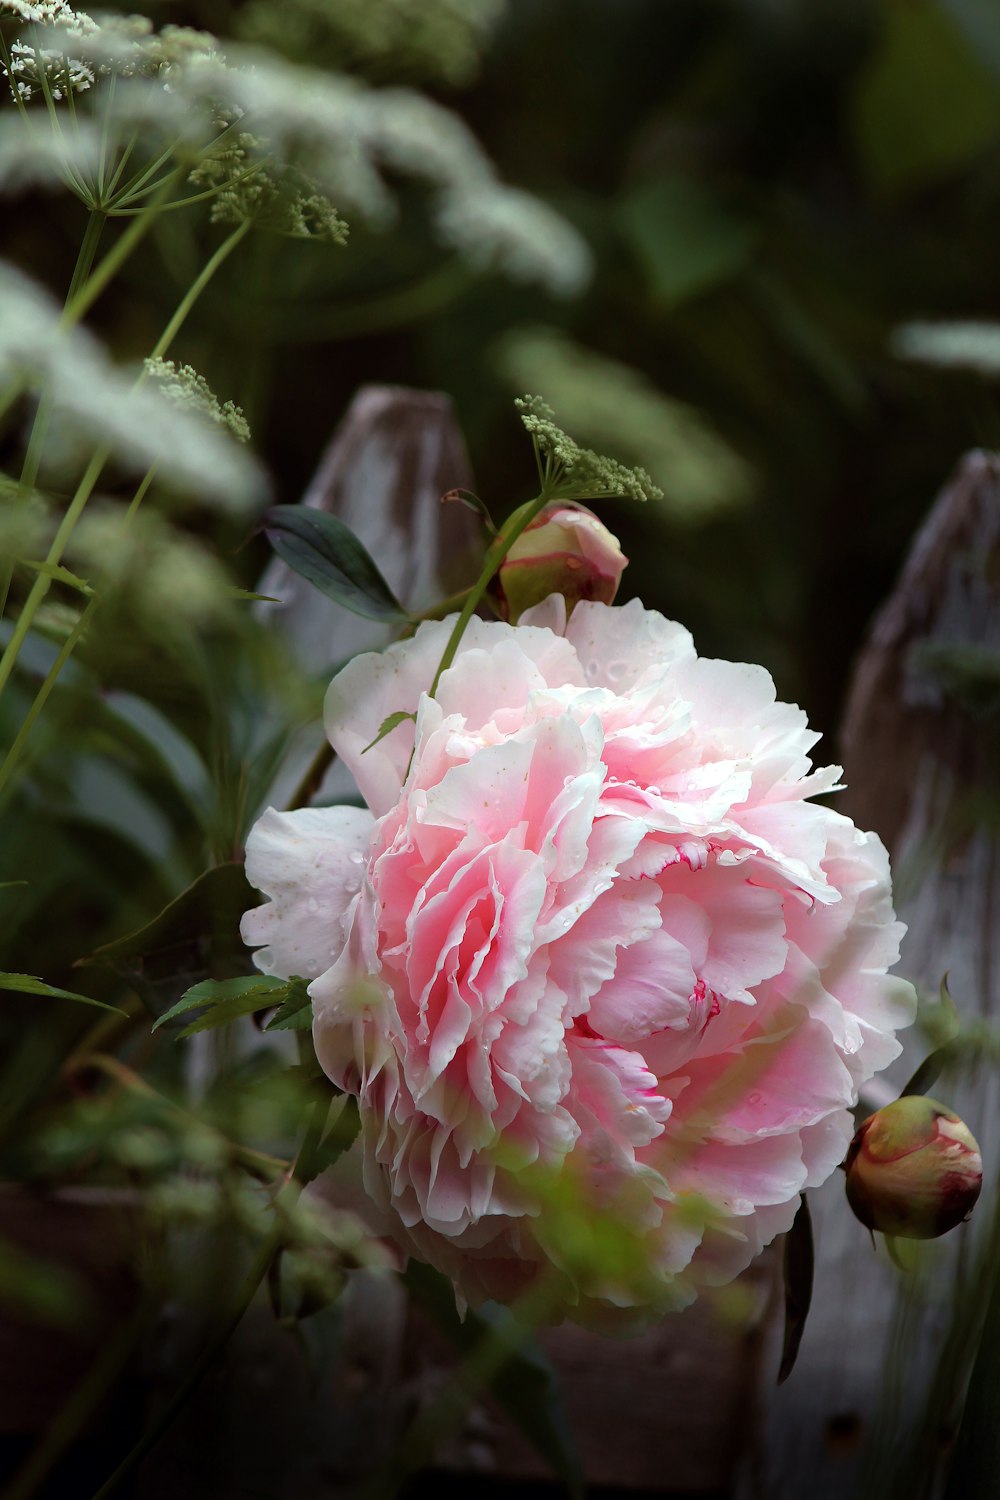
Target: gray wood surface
(860, 1416)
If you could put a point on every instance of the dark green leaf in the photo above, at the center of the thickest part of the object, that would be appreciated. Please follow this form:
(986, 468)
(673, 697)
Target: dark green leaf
(339, 1138)
(525, 1386)
(324, 551)
(684, 236)
(388, 724)
(798, 1269)
(925, 104)
(27, 984)
(295, 1010)
(214, 992)
(229, 1010)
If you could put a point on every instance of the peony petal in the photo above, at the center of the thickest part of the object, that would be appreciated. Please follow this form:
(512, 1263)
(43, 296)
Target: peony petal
(311, 864)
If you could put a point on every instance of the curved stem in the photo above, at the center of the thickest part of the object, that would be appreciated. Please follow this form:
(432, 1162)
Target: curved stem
(497, 551)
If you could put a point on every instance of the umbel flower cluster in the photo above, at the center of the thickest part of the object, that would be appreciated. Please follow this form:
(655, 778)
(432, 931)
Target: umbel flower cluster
(589, 956)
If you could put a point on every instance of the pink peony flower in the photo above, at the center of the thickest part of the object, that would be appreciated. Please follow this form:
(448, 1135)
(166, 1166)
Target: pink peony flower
(595, 945)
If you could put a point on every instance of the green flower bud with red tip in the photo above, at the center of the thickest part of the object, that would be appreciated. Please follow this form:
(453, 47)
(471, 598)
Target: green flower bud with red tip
(914, 1169)
(566, 550)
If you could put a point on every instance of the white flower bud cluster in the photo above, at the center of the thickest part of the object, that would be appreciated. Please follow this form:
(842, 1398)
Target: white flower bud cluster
(183, 385)
(34, 68)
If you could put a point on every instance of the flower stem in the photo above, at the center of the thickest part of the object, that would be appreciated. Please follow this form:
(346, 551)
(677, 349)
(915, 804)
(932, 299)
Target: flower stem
(497, 551)
(97, 462)
(33, 456)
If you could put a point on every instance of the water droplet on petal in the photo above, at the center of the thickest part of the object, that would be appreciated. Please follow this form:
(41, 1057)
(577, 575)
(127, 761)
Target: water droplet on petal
(312, 904)
(356, 857)
(616, 670)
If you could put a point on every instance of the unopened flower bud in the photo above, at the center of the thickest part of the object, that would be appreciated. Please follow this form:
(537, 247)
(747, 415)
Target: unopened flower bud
(913, 1169)
(566, 550)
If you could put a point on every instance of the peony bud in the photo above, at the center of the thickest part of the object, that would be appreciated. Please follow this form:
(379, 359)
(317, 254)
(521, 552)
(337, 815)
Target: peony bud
(566, 550)
(913, 1169)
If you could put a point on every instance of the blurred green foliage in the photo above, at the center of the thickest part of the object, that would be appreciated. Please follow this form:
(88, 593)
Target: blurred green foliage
(769, 188)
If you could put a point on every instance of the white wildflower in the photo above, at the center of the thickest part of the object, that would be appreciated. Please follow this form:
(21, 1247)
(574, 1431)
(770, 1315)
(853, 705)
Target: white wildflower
(500, 228)
(968, 345)
(437, 40)
(94, 397)
(617, 409)
(186, 388)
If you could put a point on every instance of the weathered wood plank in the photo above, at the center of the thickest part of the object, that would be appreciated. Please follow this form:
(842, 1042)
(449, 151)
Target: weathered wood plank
(922, 768)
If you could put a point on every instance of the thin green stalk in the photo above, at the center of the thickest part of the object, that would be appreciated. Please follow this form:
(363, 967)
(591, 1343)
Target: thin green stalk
(80, 304)
(69, 646)
(42, 583)
(33, 456)
(196, 288)
(16, 750)
(301, 1173)
(497, 551)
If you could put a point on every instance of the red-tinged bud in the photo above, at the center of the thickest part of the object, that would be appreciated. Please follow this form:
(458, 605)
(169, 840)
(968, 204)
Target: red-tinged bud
(566, 550)
(913, 1169)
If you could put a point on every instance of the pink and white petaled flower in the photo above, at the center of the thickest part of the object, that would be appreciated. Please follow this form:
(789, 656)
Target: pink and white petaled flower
(595, 934)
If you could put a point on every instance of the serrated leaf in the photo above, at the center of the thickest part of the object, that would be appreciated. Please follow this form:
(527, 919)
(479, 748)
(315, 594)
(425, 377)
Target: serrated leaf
(295, 1010)
(214, 992)
(471, 502)
(525, 1386)
(388, 724)
(228, 1010)
(799, 1260)
(28, 984)
(339, 1138)
(328, 555)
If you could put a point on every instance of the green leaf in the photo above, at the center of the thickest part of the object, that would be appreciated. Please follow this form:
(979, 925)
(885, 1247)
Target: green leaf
(324, 551)
(235, 593)
(27, 984)
(684, 237)
(225, 1011)
(339, 1138)
(295, 1011)
(215, 992)
(525, 1386)
(798, 1269)
(388, 725)
(926, 104)
(471, 502)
